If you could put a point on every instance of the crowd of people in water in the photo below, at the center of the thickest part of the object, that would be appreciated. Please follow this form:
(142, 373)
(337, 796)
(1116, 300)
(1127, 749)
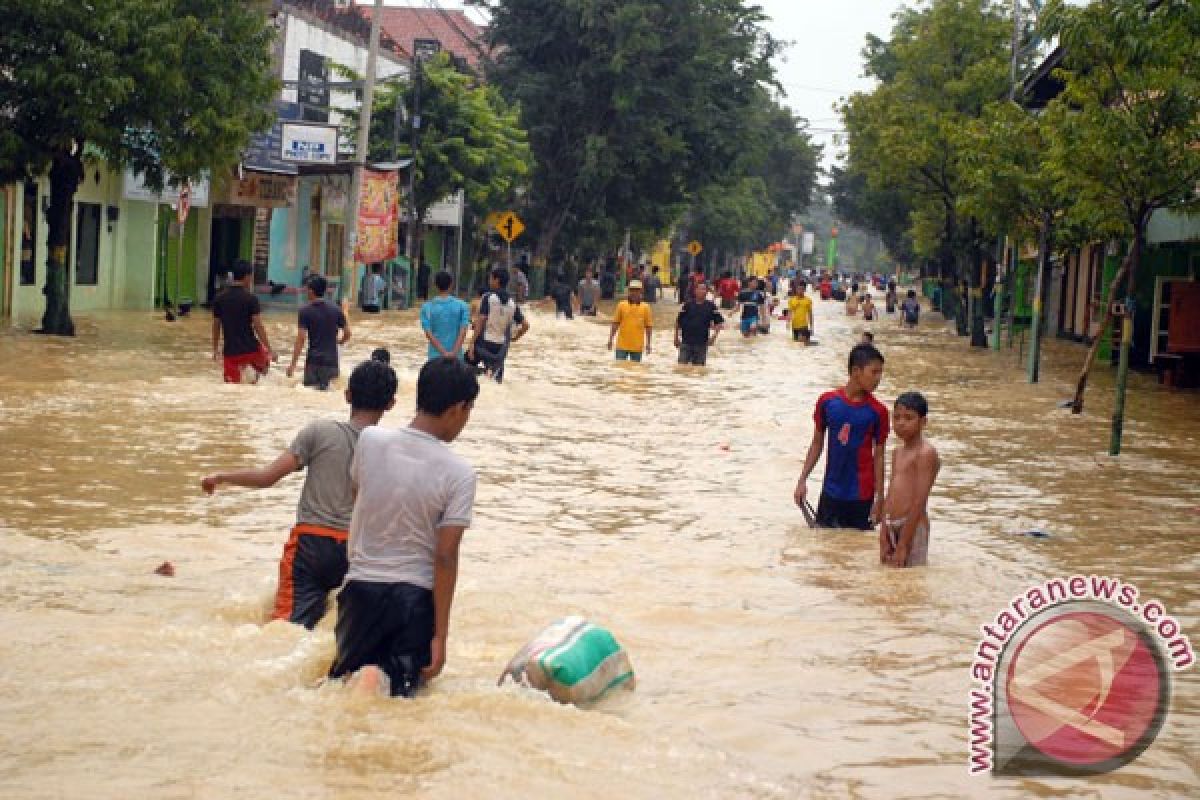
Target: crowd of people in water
(382, 511)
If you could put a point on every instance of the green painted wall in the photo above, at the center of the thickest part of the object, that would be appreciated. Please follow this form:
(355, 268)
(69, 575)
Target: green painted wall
(140, 224)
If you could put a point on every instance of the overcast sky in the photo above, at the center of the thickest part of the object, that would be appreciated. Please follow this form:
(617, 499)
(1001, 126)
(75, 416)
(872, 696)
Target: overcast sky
(823, 64)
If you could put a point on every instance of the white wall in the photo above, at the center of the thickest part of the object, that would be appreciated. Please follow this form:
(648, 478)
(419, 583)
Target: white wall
(301, 34)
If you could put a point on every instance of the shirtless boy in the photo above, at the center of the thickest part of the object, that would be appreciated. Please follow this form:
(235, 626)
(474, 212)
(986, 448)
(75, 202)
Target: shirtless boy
(904, 532)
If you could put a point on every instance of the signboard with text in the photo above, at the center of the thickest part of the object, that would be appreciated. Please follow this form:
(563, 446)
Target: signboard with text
(262, 190)
(308, 143)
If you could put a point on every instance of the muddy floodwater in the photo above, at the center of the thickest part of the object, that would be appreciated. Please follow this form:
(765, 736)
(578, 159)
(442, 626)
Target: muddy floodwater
(773, 661)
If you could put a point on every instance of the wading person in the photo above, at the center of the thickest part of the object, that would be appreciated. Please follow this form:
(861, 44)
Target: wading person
(587, 291)
(696, 328)
(910, 310)
(414, 501)
(751, 299)
(445, 320)
(904, 531)
(632, 326)
(856, 425)
(498, 313)
(314, 558)
(324, 326)
(800, 313)
(237, 317)
(373, 288)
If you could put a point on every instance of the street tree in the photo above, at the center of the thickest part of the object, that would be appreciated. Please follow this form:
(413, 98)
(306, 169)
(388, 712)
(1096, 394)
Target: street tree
(631, 105)
(771, 181)
(470, 138)
(158, 85)
(1126, 131)
(943, 64)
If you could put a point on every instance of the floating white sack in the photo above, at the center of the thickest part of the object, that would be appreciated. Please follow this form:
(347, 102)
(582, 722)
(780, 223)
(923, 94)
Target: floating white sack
(573, 660)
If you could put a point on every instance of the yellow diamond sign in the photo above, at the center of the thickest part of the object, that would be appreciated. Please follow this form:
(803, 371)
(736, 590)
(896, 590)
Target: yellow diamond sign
(509, 226)
(695, 247)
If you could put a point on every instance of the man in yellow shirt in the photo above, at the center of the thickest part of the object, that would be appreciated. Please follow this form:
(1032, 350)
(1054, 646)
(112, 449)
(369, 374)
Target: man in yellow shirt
(632, 321)
(800, 310)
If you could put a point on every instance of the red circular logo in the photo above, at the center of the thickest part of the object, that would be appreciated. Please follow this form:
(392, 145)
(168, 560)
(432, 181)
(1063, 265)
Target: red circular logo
(1087, 688)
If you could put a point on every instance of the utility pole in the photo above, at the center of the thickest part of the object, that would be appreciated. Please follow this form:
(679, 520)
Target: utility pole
(410, 238)
(360, 157)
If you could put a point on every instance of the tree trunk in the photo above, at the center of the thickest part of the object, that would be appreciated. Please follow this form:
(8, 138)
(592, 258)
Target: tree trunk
(66, 173)
(975, 277)
(1081, 385)
(1039, 298)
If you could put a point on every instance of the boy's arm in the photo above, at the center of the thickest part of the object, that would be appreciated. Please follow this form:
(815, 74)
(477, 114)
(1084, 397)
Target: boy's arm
(880, 486)
(885, 542)
(649, 329)
(927, 470)
(814, 455)
(257, 478)
(678, 341)
(297, 349)
(216, 337)
(345, 330)
(261, 332)
(462, 337)
(445, 576)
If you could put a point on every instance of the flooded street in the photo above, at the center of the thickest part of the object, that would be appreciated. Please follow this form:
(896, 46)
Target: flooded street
(773, 661)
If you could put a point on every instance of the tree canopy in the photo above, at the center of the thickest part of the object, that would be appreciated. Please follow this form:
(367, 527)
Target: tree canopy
(631, 105)
(470, 138)
(159, 85)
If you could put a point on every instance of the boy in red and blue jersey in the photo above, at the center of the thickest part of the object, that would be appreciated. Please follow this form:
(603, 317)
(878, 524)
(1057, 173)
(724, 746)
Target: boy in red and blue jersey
(857, 428)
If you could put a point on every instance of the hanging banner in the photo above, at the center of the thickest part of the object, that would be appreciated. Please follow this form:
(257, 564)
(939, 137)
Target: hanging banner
(378, 217)
(335, 192)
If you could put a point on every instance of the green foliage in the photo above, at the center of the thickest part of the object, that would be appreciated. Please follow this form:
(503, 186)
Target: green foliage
(470, 138)
(770, 182)
(905, 140)
(159, 85)
(1126, 128)
(175, 84)
(631, 105)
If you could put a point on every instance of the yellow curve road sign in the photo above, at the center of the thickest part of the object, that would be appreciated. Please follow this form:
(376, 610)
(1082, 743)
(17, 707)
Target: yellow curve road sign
(694, 248)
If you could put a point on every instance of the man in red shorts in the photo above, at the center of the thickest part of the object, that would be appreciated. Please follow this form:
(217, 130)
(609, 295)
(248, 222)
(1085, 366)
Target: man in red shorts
(238, 316)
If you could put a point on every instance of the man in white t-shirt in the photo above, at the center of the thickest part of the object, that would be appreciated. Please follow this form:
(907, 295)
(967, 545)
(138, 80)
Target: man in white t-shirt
(414, 501)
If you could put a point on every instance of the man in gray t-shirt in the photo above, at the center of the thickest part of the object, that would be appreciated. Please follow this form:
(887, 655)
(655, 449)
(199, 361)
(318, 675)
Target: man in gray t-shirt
(314, 558)
(414, 502)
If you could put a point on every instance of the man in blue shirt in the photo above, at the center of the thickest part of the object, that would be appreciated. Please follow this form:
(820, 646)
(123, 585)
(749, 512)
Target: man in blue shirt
(445, 320)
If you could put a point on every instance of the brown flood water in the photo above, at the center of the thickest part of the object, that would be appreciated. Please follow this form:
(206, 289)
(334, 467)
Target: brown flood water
(772, 661)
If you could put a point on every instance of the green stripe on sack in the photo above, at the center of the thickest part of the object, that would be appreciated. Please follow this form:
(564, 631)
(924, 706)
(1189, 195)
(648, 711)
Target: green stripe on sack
(580, 656)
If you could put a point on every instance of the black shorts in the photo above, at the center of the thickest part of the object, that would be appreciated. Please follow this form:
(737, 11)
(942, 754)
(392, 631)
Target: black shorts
(695, 354)
(371, 309)
(389, 625)
(801, 333)
(587, 311)
(318, 375)
(834, 513)
(490, 356)
(313, 565)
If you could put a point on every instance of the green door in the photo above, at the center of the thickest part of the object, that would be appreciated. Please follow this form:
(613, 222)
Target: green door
(173, 284)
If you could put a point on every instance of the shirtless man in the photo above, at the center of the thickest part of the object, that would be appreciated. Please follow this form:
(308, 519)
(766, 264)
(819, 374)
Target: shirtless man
(904, 532)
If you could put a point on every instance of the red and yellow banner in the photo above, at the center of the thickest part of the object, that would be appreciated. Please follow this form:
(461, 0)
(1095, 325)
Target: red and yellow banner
(378, 216)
